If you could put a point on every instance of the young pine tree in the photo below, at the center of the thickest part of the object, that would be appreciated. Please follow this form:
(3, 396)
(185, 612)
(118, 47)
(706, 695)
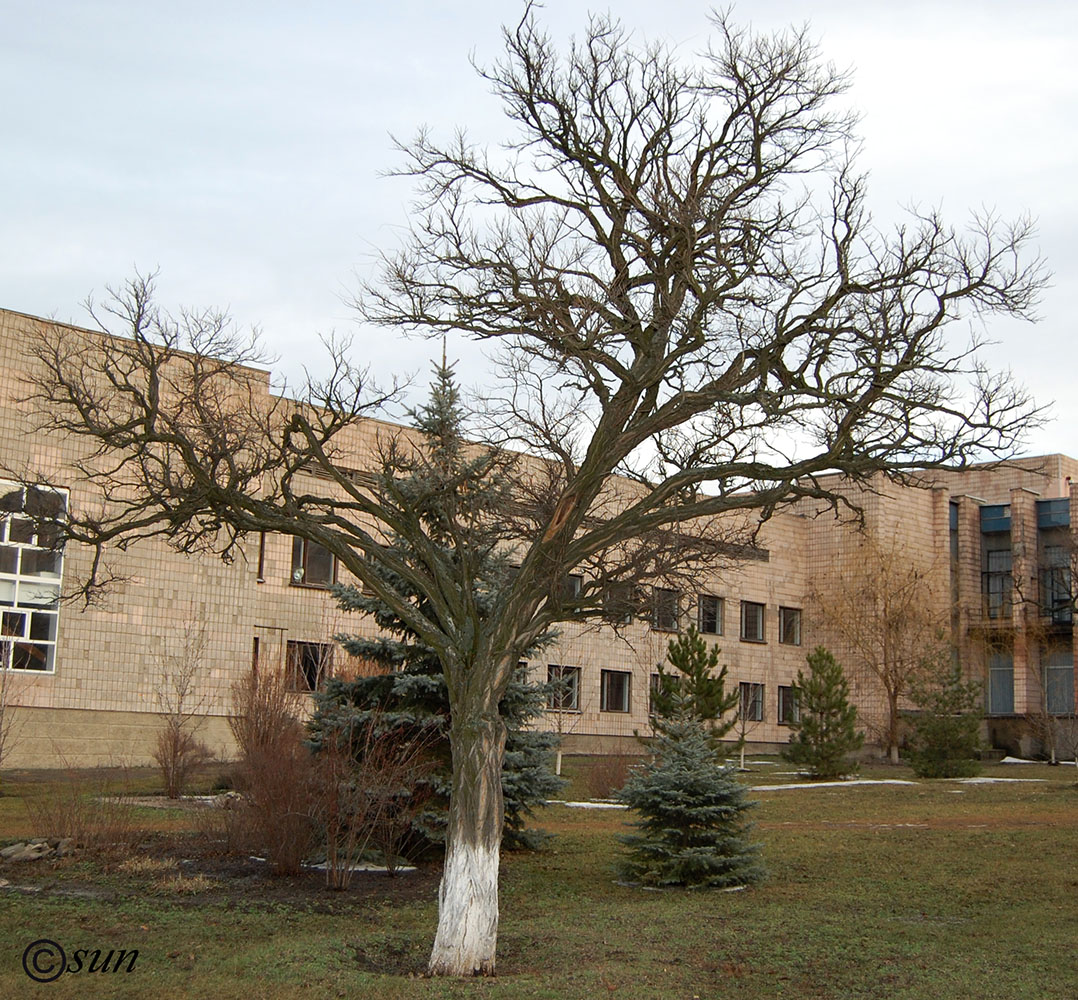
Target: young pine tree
(692, 825)
(945, 733)
(447, 485)
(825, 731)
(695, 691)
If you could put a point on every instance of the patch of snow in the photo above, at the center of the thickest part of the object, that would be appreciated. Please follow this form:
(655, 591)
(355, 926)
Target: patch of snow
(365, 866)
(1019, 760)
(834, 784)
(994, 781)
(586, 805)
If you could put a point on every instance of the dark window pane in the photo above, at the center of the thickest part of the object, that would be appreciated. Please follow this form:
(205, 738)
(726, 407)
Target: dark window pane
(9, 559)
(21, 531)
(43, 626)
(45, 503)
(565, 697)
(790, 626)
(40, 562)
(614, 691)
(14, 623)
(710, 614)
(752, 621)
(664, 612)
(30, 656)
(319, 565)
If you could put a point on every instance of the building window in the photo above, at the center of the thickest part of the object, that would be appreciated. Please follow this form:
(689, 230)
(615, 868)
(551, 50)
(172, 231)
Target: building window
(996, 583)
(790, 626)
(752, 621)
(313, 565)
(789, 708)
(571, 588)
(614, 690)
(709, 613)
(261, 578)
(31, 569)
(618, 603)
(1001, 683)
(1059, 680)
(752, 702)
(664, 609)
(1056, 597)
(565, 695)
(309, 663)
(653, 690)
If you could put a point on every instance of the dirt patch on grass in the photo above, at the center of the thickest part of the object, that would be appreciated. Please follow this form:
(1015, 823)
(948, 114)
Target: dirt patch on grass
(201, 875)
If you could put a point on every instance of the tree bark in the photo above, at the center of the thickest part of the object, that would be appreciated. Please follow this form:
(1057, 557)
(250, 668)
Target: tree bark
(468, 897)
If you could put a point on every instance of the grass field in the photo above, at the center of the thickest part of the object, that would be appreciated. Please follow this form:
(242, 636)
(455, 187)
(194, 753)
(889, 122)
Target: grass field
(929, 890)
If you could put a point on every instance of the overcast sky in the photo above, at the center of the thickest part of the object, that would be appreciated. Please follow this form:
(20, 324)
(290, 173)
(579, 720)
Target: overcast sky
(237, 146)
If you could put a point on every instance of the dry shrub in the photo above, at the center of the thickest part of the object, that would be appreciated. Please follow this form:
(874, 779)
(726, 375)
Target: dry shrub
(179, 755)
(178, 752)
(608, 774)
(370, 794)
(92, 808)
(275, 773)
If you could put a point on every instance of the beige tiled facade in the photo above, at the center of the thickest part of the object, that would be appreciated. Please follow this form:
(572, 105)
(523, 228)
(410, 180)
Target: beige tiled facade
(100, 700)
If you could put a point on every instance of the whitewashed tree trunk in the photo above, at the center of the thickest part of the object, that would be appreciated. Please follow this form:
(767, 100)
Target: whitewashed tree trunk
(468, 898)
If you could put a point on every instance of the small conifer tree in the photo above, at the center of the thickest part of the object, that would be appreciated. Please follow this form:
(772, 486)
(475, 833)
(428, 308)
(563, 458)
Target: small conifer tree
(825, 730)
(412, 696)
(695, 691)
(692, 825)
(945, 734)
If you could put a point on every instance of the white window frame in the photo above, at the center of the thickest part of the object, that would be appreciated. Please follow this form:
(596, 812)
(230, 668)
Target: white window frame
(606, 678)
(568, 699)
(29, 602)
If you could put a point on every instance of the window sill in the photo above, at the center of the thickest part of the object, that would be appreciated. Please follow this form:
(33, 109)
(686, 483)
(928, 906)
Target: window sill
(308, 586)
(758, 642)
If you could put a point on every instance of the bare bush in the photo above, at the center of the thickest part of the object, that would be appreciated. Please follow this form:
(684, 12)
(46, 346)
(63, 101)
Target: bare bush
(370, 794)
(178, 752)
(275, 773)
(608, 774)
(94, 809)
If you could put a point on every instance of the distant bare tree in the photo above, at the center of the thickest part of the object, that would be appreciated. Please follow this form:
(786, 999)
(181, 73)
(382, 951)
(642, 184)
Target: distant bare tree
(179, 752)
(677, 261)
(890, 625)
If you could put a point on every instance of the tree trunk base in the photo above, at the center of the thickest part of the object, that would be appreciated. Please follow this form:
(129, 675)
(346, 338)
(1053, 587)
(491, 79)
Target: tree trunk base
(467, 912)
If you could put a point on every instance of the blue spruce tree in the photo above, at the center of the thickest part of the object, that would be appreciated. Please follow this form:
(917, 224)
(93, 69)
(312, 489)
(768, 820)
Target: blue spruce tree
(445, 485)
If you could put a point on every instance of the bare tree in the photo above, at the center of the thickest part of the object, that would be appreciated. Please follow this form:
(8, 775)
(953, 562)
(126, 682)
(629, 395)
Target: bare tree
(677, 261)
(890, 624)
(179, 752)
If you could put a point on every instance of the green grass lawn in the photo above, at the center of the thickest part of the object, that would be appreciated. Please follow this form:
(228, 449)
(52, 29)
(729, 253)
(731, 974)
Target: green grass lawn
(936, 890)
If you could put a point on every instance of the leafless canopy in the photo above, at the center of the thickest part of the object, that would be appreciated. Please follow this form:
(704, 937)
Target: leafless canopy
(678, 265)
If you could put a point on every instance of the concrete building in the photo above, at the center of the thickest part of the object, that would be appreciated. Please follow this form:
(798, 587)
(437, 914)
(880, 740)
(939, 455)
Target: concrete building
(992, 546)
